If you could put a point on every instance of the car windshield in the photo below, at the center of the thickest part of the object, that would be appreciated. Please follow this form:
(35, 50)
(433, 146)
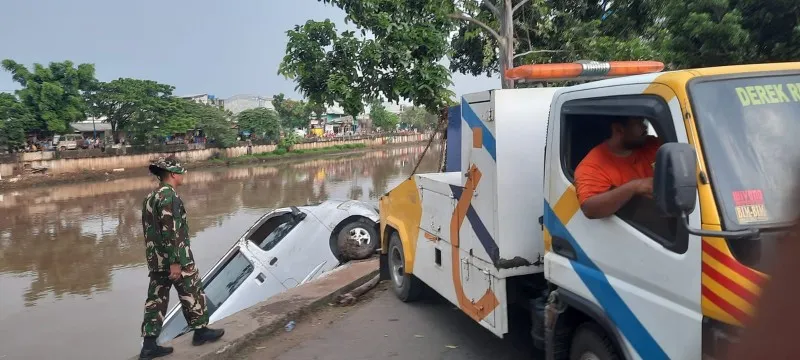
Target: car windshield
(748, 127)
(218, 288)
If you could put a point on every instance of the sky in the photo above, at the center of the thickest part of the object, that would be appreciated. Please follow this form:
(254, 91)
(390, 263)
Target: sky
(217, 47)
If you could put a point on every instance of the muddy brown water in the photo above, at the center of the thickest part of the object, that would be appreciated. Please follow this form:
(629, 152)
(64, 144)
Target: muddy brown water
(72, 272)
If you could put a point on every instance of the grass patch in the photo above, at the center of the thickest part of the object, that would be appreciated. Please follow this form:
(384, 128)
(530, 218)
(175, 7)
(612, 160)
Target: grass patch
(282, 153)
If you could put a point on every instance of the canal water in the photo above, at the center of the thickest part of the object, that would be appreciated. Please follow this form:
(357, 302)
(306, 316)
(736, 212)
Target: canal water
(72, 275)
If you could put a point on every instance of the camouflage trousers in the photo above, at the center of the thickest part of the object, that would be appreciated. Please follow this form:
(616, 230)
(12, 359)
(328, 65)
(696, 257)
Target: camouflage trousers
(190, 293)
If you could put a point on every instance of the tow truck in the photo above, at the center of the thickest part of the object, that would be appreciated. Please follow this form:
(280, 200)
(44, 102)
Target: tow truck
(672, 276)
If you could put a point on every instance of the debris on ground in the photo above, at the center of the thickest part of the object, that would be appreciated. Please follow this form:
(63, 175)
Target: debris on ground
(290, 326)
(352, 296)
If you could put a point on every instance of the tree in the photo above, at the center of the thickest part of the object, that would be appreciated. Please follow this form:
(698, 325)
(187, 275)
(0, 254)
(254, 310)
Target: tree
(382, 118)
(215, 124)
(712, 33)
(401, 61)
(53, 94)
(120, 100)
(293, 114)
(15, 121)
(262, 122)
(500, 34)
(419, 118)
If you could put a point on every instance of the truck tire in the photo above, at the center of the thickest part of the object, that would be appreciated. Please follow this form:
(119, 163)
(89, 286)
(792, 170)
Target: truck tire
(358, 240)
(406, 286)
(591, 343)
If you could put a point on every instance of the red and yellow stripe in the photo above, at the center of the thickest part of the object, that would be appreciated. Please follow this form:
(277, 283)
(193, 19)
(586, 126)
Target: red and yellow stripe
(730, 290)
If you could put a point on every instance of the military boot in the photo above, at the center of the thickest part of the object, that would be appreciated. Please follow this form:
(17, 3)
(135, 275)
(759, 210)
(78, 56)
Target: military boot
(204, 335)
(150, 349)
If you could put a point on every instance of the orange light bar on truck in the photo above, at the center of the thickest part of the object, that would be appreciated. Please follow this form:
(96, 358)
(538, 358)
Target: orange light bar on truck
(577, 70)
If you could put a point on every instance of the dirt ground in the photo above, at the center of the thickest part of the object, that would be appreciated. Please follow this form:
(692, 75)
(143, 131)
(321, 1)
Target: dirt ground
(380, 326)
(307, 327)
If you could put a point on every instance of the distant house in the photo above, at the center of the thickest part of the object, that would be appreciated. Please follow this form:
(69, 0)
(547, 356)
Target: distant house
(205, 99)
(88, 128)
(242, 102)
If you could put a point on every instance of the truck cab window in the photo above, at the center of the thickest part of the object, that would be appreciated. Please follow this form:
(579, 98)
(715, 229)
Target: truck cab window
(585, 130)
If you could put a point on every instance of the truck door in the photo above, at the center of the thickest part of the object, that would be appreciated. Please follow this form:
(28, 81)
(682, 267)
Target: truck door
(638, 269)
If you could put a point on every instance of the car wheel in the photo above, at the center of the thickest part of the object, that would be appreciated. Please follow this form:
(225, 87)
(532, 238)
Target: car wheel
(406, 286)
(591, 343)
(63, 148)
(358, 240)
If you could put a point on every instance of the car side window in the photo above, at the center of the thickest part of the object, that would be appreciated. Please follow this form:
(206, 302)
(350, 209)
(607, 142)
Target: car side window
(273, 230)
(586, 124)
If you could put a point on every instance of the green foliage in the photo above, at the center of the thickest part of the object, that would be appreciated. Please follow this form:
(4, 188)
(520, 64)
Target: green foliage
(382, 118)
(123, 100)
(419, 118)
(261, 122)
(215, 124)
(288, 140)
(15, 120)
(400, 61)
(53, 94)
(293, 114)
(722, 32)
(548, 31)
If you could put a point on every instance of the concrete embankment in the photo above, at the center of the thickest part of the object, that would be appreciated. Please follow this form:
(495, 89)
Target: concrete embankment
(47, 160)
(261, 320)
(102, 168)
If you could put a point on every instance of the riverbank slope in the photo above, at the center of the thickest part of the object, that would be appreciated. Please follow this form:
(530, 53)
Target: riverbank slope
(107, 172)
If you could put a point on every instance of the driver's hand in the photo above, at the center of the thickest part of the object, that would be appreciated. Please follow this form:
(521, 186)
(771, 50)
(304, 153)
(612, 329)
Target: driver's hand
(644, 187)
(175, 272)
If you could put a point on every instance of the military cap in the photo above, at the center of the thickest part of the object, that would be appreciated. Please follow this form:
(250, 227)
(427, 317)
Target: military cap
(169, 163)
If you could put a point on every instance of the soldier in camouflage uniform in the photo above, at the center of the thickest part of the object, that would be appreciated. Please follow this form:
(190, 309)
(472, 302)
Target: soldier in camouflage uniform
(170, 261)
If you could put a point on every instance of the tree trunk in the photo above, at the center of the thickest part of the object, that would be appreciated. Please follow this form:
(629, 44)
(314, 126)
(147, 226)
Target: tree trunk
(506, 57)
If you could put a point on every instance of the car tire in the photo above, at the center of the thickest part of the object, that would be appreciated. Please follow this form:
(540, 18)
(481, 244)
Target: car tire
(406, 286)
(591, 342)
(358, 240)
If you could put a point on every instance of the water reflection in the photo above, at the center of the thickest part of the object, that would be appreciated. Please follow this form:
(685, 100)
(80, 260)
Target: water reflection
(75, 242)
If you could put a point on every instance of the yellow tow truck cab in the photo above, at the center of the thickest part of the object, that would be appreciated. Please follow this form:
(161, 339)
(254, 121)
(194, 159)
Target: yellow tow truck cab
(501, 235)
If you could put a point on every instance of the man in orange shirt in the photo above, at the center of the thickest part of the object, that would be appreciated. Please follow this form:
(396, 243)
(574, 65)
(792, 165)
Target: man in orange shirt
(617, 169)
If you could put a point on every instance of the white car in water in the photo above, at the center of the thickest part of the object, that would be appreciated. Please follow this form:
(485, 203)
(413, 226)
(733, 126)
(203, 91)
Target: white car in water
(285, 248)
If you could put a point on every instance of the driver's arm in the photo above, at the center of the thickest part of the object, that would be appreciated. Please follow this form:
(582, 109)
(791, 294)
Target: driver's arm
(592, 186)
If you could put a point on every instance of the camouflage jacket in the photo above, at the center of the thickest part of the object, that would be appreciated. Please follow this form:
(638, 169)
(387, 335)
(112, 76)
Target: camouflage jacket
(166, 232)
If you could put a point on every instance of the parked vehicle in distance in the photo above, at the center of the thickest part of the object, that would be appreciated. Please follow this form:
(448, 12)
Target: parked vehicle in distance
(69, 142)
(285, 248)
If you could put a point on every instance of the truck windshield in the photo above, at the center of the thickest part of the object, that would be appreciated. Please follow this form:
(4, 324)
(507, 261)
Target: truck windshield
(750, 128)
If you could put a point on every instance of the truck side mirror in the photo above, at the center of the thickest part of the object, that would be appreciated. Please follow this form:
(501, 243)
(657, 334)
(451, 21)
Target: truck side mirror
(675, 179)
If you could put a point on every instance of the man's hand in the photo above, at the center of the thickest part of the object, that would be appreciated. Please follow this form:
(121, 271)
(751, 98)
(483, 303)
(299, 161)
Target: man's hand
(609, 202)
(643, 186)
(175, 272)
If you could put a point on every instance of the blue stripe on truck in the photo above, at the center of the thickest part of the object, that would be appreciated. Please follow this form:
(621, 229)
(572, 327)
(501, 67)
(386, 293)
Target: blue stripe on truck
(473, 121)
(598, 284)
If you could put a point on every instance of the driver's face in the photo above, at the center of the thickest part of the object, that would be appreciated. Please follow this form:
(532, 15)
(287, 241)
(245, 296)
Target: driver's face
(635, 133)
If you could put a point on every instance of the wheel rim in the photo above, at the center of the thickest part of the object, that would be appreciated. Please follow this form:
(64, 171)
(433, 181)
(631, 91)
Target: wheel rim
(360, 236)
(398, 274)
(589, 356)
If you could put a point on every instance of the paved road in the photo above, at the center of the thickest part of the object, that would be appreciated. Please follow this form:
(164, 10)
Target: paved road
(386, 328)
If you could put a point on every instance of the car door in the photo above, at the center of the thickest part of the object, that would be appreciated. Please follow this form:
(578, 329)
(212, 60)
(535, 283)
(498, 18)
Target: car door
(236, 282)
(294, 245)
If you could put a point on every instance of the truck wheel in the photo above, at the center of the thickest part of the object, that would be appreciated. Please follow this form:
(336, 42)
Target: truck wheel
(591, 343)
(406, 286)
(358, 240)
